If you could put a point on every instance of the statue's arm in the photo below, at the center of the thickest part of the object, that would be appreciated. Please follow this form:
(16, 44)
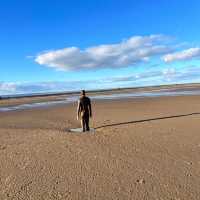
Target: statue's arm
(78, 110)
(90, 108)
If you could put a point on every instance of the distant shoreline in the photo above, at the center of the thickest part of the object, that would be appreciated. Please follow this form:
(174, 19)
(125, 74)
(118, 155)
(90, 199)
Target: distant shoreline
(47, 100)
(49, 94)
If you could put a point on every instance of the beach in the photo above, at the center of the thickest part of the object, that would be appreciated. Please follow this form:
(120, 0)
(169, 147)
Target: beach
(142, 148)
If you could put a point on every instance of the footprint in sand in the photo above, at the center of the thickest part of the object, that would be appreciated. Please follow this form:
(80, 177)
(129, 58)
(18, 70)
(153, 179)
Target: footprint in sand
(2, 147)
(140, 181)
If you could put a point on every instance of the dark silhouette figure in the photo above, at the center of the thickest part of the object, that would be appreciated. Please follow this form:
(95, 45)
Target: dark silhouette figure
(84, 111)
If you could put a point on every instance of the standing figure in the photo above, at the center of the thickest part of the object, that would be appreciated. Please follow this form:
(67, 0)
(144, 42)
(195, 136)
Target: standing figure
(84, 111)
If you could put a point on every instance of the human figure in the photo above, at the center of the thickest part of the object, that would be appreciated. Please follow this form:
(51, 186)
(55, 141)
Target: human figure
(84, 111)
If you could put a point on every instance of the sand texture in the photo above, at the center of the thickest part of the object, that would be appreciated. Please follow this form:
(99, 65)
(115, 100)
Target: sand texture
(128, 157)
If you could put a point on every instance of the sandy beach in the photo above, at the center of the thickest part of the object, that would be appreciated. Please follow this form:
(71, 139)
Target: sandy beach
(143, 149)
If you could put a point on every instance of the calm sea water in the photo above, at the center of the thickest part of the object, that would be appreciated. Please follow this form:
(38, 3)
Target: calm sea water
(74, 98)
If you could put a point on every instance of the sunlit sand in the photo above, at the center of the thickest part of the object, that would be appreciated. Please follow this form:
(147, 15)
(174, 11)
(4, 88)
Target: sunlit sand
(142, 148)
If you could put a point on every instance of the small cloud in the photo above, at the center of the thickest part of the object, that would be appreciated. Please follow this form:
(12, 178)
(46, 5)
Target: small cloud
(7, 87)
(138, 77)
(169, 71)
(187, 54)
(170, 75)
(128, 52)
(30, 57)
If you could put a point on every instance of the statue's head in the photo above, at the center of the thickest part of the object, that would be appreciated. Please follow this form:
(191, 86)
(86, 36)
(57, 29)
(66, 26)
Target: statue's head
(83, 92)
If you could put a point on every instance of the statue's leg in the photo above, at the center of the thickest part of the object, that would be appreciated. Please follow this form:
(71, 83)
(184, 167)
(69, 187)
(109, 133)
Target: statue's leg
(83, 124)
(87, 123)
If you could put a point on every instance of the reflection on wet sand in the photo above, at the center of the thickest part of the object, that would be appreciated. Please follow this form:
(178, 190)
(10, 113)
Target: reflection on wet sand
(154, 93)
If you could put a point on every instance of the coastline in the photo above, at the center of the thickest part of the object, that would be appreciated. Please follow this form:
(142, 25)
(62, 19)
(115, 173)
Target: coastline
(29, 102)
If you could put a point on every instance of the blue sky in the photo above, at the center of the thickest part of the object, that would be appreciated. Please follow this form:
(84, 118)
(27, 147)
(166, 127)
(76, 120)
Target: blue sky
(68, 45)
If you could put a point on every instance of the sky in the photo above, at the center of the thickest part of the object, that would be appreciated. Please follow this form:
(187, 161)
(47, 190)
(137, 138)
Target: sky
(64, 45)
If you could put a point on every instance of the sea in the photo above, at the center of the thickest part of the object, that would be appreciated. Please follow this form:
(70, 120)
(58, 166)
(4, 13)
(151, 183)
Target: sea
(74, 97)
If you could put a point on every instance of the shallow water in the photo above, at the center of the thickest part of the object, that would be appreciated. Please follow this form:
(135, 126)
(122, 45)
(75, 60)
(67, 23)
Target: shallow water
(155, 93)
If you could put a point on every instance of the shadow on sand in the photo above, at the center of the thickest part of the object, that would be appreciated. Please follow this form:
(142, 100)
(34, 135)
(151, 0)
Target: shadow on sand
(146, 120)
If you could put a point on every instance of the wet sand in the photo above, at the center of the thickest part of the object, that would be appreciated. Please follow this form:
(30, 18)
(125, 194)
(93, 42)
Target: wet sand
(42, 98)
(128, 157)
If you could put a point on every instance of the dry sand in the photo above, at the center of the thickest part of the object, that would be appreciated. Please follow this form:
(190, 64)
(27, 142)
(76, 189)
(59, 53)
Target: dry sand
(157, 159)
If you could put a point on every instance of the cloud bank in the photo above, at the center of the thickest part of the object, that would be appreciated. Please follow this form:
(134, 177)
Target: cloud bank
(187, 54)
(41, 87)
(128, 52)
(151, 77)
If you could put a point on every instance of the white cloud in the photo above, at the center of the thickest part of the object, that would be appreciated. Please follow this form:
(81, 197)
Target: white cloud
(7, 87)
(151, 77)
(187, 54)
(128, 52)
(137, 77)
(167, 75)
